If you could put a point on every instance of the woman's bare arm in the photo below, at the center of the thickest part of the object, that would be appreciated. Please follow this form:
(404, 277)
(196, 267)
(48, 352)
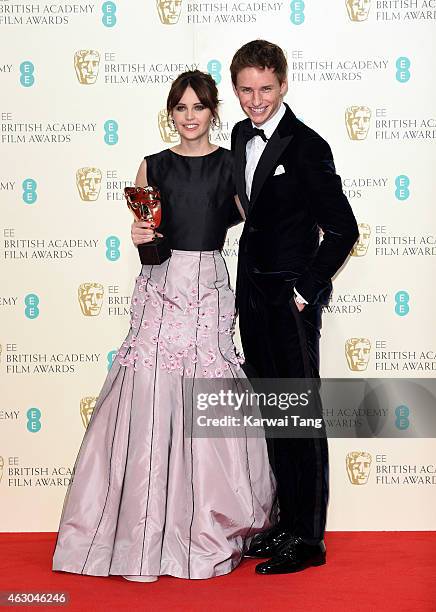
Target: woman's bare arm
(141, 175)
(239, 205)
(141, 231)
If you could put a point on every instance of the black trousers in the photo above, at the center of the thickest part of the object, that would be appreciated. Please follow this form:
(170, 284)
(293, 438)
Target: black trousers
(281, 342)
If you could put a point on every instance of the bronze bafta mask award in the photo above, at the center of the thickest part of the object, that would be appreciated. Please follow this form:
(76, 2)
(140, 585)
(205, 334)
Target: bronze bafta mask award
(144, 202)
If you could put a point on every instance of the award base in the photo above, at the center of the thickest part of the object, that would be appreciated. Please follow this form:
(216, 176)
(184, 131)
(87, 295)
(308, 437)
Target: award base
(154, 253)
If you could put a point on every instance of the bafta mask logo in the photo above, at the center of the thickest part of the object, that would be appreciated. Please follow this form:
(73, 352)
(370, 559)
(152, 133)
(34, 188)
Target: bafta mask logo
(357, 352)
(90, 298)
(87, 405)
(166, 129)
(169, 11)
(358, 467)
(2, 463)
(358, 10)
(86, 65)
(357, 120)
(361, 247)
(88, 181)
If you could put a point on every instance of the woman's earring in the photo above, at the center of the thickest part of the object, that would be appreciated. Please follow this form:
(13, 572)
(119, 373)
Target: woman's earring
(173, 124)
(215, 123)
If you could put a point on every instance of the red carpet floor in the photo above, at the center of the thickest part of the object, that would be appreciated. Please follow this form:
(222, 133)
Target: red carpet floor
(365, 572)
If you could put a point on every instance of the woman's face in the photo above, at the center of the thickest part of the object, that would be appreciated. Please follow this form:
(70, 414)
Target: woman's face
(191, 117)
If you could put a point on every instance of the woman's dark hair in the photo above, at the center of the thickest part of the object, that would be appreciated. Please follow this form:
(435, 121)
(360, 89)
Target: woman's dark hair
(259, 54)
(203, 85)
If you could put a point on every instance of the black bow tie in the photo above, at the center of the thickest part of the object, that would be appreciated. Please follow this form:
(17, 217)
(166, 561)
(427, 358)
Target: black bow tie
(250, 132)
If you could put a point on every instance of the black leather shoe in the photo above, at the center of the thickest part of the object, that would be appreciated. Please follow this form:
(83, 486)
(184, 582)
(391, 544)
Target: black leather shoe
(293, 556)
(266, 544)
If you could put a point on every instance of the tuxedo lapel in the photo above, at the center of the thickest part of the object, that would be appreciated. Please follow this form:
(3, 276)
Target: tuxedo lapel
(275, 147)
(278, 142)
(240, 161)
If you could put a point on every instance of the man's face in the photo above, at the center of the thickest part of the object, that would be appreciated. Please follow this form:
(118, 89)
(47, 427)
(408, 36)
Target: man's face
(91, 299)
(357, 353)
(358, 121)
(87, 67)
(361, 247)
(89, 183)
(259, 92)
(358, 10)
(169, 10)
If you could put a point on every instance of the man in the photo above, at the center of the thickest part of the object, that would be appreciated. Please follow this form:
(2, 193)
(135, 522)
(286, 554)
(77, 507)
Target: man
(287, 185)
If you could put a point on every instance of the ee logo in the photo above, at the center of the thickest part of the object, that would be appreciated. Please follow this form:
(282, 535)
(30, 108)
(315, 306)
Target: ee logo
(402, 183)
(31, 302)
(33, 420)
(402, 417)
(26, 74)
(110, 359)
(109, 18)
(113, 248)
(402, 303)
(297, 12)
(110, 132)
(402, 65)
(214, 69)
(29, 191)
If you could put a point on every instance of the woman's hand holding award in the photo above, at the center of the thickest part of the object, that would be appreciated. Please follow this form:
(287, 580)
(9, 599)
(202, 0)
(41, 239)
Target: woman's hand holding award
(145, 204)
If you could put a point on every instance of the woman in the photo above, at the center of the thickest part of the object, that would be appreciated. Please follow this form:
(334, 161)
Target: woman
(147, 497)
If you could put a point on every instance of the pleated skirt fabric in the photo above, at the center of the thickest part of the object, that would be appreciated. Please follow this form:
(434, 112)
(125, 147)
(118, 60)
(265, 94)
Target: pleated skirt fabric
(146, 497)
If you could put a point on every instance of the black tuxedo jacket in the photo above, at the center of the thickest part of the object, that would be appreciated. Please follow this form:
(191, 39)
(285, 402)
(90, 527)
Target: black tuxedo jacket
(280, 244)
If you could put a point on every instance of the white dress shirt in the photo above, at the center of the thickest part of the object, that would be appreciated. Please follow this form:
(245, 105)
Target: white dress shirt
(255, 147)
(253, 151)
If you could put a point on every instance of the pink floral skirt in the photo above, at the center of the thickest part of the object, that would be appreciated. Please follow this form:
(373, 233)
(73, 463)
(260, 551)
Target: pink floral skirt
(147, 498)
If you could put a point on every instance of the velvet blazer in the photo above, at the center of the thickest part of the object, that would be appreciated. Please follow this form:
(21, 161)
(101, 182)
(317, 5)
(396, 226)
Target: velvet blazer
(289, 211)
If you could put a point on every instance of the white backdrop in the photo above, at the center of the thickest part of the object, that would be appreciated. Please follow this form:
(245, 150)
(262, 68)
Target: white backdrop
(82, 88)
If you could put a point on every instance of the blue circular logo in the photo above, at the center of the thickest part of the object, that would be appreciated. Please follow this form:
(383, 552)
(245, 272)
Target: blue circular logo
(31, 302)
(112, 248)
(109, 18)
(297, 12)
(110, 132)
(33, 420)
(402, 183)
(29, 191)
(402, 417)
(26, 74)
(402, 303)
(110, 358)
(403, 73)
(214, 69)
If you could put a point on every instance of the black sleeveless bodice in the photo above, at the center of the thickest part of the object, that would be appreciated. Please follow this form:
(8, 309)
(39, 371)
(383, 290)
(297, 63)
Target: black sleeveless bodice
(197, 195)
